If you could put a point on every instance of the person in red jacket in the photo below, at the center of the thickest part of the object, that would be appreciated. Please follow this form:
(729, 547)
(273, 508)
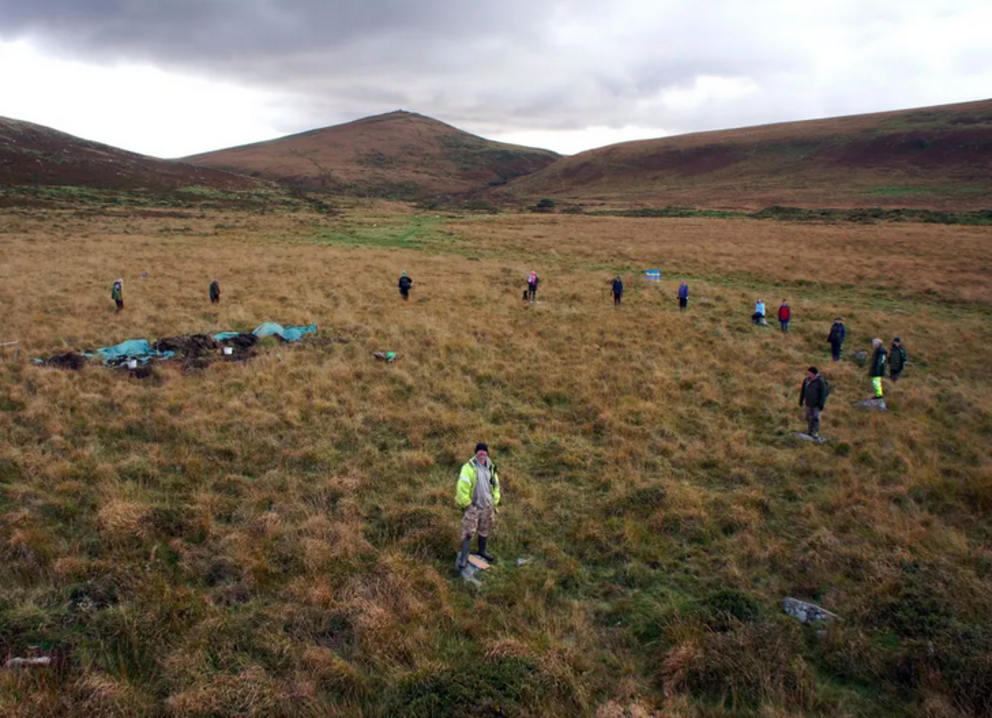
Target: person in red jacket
(784, 315)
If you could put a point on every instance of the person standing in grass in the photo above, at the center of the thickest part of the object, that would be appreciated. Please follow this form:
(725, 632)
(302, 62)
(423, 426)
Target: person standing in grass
(477, 494)
(532, 282)
(405, 284)
(784, 315)
(215, 292)
(813, 394)
(617, 290)
(117, 294)
(836, 338)
(897, 359)
(683, 296)
(877, 370)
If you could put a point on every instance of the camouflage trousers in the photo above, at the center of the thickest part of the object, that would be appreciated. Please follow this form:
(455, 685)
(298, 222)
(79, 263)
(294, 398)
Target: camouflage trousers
(477, 520)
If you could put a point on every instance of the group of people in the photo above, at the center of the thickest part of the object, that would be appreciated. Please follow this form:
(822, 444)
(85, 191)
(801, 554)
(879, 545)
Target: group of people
(405, 283)
(815, 389)
(478, 489)
(892, 361)
(784, 315)
(616, 291)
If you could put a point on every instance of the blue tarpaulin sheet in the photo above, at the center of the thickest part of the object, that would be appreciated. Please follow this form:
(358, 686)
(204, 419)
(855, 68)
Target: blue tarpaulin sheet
(289, 334)
(138, 349)
(141, 349)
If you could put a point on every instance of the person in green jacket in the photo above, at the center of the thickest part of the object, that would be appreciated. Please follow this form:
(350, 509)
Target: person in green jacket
(477, 493)
(117, 294)
(877, 370)
(215, 292)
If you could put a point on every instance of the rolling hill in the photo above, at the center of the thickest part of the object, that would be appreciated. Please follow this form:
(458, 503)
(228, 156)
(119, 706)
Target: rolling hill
(398, 154)
(33, 155)
(936, 157)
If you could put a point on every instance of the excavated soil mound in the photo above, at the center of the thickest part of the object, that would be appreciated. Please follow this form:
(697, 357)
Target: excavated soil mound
(242, 342)
(66, 361)
(188, 345)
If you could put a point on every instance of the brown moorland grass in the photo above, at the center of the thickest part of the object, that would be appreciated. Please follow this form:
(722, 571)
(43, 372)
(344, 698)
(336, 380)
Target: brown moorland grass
(277, 537)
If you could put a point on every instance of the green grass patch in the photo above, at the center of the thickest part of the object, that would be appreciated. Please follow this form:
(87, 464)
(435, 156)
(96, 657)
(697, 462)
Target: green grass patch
(416, 233)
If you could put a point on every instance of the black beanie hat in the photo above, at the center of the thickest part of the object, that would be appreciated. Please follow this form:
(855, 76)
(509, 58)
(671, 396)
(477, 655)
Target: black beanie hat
(813, 370)
(481, 446)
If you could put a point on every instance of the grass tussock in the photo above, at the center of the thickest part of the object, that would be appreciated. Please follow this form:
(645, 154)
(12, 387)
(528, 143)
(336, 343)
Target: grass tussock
(276, 537)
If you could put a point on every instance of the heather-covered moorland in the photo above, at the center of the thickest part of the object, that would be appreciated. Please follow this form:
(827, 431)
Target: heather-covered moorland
(276, 536)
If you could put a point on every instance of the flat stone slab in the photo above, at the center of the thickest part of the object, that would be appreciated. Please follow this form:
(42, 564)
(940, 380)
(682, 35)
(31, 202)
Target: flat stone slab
(805, 612)
(803, 436)
(479, 562)
(872, 405)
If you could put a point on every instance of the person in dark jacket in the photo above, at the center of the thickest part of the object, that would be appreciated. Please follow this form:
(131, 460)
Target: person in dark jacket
(836, 338)
(683, 296)
(532, 281)
(117, 294)
(877, 370)
(617, 290)
(784, 315)
(215, 292)
(814, 395)
(405, 284)
(897, 359)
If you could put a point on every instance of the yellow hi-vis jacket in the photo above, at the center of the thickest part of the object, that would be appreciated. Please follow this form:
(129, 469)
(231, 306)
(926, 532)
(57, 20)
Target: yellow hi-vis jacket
(465, 489)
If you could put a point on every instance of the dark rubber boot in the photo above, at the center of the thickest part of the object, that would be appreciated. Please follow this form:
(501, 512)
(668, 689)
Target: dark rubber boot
(463, 556)
(483, 540)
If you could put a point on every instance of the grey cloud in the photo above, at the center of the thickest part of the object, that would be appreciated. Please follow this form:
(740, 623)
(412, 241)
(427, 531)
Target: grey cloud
(516, 65)
(217, 29)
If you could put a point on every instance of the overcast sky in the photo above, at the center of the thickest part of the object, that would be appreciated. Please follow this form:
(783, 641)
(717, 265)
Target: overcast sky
(174, 77)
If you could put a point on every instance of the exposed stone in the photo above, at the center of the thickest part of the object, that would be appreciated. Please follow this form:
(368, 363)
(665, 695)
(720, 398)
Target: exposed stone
(872, 405)
(468, 575)
(806, 612)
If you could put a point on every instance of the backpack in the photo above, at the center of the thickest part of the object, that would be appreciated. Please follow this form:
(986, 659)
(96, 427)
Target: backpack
(826, 389)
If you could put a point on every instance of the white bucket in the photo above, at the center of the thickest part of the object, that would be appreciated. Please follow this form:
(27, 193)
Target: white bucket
(228, 351)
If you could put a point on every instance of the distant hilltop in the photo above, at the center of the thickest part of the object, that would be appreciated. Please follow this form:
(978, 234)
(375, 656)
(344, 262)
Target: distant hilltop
(399, 154)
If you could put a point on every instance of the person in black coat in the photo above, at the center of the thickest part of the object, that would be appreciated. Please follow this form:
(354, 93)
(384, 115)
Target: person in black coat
(813, 394)
(617, 290)
(897, 359)
(405, 284)
(836, 338)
